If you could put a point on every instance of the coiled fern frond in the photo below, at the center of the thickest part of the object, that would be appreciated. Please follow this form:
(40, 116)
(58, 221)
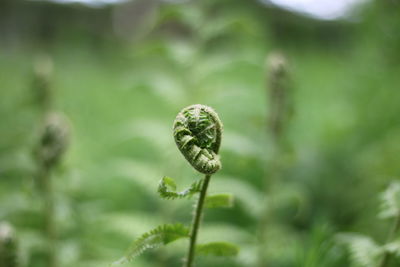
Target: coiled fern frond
(54, 139)
(197, 133)
(279, 85)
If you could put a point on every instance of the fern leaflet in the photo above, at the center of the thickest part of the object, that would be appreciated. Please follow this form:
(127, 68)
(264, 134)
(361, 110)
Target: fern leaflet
(363, 250)
(167, 189)
(390, 205)
(162, 235)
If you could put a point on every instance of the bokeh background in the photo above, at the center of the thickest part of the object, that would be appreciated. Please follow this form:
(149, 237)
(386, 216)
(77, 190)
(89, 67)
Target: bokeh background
(122, 70)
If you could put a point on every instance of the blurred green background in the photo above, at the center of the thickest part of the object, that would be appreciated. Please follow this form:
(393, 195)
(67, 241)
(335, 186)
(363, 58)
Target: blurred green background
(121, 74)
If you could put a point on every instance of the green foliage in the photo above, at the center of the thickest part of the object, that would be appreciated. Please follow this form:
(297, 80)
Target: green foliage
(224, 249)
(319, 249)
(8, 246)
(123, 95)
(390, 201)
(245, 194)
(167, 189)
(219, 201)
(363, 250)
(393, 248)
(162, 235)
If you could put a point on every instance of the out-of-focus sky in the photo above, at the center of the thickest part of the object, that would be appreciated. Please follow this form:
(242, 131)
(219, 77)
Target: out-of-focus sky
(321, 9)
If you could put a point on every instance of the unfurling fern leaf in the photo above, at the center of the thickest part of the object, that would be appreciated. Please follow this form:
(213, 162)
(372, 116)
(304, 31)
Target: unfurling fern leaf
(162, 235)
(219, 201)
(198, 133)
(167, 189)
(390, 206)
(54, 140)
(218, 249)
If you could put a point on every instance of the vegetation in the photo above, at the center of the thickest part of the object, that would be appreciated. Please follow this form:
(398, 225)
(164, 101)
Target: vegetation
(121, 80)
(8, 246)
(363, 249)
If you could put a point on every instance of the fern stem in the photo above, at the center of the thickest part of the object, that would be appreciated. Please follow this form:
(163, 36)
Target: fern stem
(267, 215)
(391, 236)
(280, 111)
(48, 211)
(196, 222)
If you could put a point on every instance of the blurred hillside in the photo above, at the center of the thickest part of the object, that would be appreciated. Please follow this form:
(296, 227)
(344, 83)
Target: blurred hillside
(122, 73)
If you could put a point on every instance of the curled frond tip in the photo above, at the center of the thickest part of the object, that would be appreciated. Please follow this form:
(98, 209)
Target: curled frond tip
(197, 133)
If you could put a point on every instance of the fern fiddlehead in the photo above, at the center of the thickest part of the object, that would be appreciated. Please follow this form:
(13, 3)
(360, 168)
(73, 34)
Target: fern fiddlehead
(279, 91)
(54, 140)
(198, 133)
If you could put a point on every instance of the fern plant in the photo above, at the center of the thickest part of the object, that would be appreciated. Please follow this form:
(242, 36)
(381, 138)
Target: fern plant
(53, 143)
(197, 133)
(279, 90)
(279, 113)
(364, 251)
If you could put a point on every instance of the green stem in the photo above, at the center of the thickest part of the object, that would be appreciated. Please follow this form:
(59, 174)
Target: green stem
(266, 218)
(196, 222)
(50, 230)
(392, 233)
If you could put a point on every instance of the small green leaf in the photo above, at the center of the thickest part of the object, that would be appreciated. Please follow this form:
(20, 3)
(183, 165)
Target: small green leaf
(218, 249)
(162, 235)
(169, 182)
(219, 201)
(167, 189)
